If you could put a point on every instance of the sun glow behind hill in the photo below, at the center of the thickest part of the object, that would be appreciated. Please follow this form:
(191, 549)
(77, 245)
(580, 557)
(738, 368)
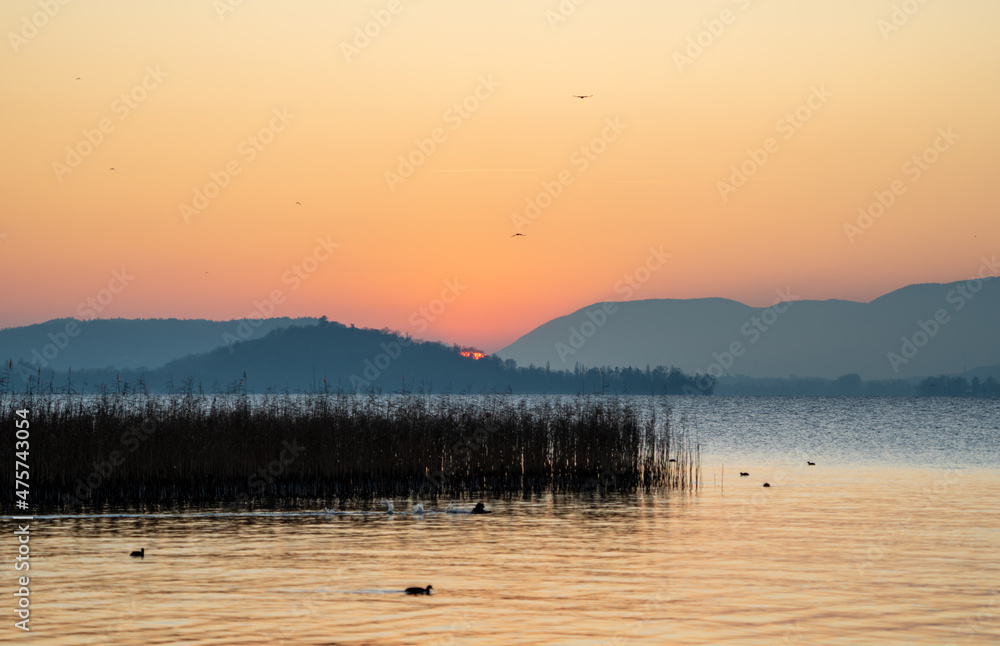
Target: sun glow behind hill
(288, 137)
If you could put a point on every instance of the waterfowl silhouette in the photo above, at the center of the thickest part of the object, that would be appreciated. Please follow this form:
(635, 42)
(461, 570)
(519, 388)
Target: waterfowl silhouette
(480, 508)
(390, 506)
(671, 460)
(582, 96)
(426, 590)
(519, 234)
(139, 554)
(812, 464)
(766, 484)
(418, 508)
(743, 473)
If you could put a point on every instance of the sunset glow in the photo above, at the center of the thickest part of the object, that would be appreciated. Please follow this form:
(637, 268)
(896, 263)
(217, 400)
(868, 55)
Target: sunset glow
(373, 161)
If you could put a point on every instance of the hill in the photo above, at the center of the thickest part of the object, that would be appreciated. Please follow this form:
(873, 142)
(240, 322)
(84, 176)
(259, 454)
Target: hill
(331, 357)
(916, 331)
(61, 344)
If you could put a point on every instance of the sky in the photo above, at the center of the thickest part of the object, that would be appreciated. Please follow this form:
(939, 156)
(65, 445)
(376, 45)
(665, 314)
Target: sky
(373, 161)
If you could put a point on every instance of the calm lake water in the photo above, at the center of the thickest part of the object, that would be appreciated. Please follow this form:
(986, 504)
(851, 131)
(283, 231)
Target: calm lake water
(891, 538)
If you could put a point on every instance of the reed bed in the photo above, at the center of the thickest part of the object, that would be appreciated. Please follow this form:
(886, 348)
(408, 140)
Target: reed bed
(136, 451)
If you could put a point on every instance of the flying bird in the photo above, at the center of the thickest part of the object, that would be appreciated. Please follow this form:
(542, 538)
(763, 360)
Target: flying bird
(299, 203)
(78, 78)
(112, 168)
(583, 96)
(519, 234)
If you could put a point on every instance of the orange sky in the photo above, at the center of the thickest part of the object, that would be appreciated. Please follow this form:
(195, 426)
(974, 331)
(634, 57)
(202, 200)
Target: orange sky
(288, 95)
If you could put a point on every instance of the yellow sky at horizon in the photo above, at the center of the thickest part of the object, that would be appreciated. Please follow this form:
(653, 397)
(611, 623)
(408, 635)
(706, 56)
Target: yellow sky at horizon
(268, 87)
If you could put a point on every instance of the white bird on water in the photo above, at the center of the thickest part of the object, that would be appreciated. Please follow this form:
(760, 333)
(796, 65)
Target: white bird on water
(418, 508)
(389, 504)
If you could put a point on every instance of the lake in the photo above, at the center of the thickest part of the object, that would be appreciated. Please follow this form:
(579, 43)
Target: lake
(891, 538)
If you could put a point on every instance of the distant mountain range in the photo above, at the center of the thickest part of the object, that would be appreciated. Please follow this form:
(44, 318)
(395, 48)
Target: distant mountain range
(916, 331)
(827, 346)
(331, 357)
(126, 344)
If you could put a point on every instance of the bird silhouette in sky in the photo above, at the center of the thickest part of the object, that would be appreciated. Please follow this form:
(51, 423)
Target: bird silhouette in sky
(78, 78)
(299, 203)
(112, 168)
(518, 234)
(583, 96)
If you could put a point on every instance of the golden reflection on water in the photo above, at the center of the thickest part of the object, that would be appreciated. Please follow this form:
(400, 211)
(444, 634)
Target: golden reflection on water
(825, 556)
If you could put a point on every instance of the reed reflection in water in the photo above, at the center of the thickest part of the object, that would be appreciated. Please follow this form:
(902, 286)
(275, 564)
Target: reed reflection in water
(826, 556)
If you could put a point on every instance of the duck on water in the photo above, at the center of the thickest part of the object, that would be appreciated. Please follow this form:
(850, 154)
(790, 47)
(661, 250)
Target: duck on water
(426, 590)
(480, 508)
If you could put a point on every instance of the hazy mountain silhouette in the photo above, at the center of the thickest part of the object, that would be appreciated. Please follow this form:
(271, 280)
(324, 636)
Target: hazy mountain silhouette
(895, 336)
(982, 372)
(60, 344)
(331, 357)
(929, 330)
